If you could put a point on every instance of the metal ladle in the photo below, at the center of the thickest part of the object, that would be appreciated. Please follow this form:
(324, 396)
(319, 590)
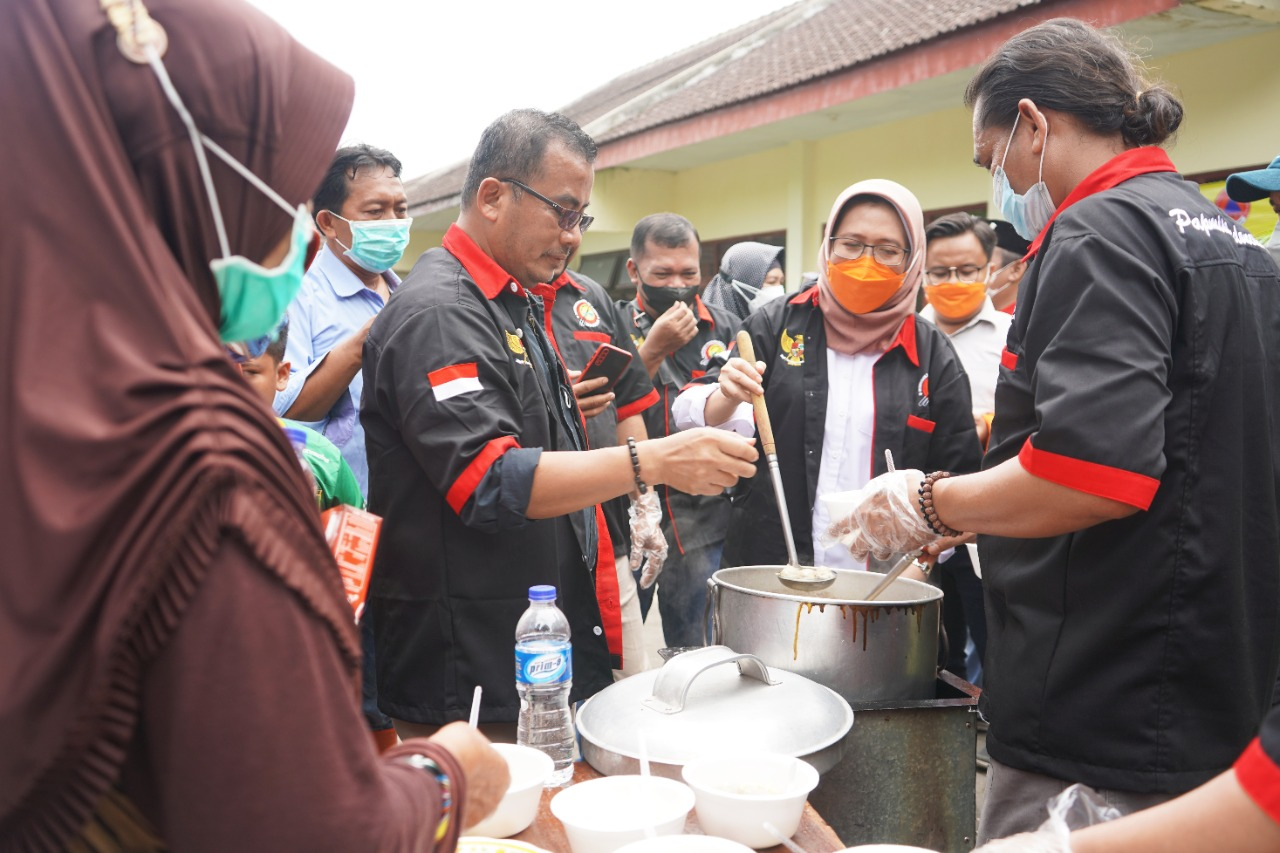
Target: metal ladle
(789, 576)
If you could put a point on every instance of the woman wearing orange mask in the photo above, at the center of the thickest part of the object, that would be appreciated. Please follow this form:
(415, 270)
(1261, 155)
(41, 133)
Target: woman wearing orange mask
(848, 372)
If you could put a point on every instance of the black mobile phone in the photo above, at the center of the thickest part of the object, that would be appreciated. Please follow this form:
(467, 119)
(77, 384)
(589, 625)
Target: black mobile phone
(608, 361)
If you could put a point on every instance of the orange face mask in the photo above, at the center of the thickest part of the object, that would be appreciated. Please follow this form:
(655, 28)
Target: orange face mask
(863, 284)
(956, 300)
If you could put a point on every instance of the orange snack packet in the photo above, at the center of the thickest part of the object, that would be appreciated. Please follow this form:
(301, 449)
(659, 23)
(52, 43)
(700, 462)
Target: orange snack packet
(353, 537)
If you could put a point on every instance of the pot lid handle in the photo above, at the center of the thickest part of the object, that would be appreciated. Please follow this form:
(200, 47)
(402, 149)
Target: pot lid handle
(671, 687)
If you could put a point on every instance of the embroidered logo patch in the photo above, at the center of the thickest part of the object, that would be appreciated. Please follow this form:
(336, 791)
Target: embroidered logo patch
(922, 391)
(586, 313)
(792, 349)
(711, 349)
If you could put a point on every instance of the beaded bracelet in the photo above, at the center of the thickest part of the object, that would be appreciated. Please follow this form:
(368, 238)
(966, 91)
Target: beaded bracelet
(422, 762)
(927, 508)
(635, 465)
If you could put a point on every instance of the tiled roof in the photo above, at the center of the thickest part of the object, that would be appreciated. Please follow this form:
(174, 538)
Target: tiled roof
(789, 47)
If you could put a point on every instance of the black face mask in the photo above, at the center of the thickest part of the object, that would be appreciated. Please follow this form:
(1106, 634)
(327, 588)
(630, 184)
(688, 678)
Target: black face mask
(659, 299)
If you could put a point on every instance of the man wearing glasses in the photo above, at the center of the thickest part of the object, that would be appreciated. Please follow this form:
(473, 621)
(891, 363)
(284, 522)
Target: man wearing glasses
(959, 265)
(476, 446)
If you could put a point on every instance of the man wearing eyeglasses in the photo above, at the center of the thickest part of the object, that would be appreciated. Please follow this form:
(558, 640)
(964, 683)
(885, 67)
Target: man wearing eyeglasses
(959, 266)
(477, 448)
(679, 337)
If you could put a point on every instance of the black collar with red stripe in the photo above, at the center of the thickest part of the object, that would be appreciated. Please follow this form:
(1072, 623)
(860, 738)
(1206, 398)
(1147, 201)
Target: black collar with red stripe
(906, 337)
(1117, 170)
(491, 278)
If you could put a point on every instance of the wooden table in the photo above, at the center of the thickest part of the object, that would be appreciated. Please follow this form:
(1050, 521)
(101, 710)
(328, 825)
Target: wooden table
(548, 833)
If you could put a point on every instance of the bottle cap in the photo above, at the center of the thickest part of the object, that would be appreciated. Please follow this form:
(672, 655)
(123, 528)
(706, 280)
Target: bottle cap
(543, 592)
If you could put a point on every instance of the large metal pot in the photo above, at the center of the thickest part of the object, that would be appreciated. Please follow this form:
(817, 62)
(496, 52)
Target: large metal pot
(700, 703)
(867, 651)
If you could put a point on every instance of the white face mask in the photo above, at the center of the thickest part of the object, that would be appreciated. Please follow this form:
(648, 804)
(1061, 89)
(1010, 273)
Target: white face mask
(765, 295)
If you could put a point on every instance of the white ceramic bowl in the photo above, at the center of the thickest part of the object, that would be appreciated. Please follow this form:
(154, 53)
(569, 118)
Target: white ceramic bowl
(529, 770)
(685, 844)
(737, 794)
(604, 814)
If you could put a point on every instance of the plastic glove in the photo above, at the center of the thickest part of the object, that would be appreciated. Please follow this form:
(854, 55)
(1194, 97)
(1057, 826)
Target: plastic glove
(887, 521)
(1075, 808)
(648, 542)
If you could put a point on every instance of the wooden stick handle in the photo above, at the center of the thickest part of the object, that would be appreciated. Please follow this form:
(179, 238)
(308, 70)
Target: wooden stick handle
(763, 426)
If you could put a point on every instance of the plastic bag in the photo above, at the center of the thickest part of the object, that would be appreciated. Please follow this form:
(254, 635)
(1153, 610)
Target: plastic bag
(1075, 808)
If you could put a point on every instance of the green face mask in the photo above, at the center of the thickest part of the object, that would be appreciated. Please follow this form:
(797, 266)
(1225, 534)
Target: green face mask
(254, 299)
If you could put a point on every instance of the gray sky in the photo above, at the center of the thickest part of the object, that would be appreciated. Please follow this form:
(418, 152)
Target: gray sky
(430, 75)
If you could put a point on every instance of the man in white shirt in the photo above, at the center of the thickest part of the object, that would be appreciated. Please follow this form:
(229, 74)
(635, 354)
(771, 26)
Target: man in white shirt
(958, 268)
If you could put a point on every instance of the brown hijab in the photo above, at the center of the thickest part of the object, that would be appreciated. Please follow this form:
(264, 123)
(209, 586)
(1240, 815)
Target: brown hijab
(874, 331)
(129, 446)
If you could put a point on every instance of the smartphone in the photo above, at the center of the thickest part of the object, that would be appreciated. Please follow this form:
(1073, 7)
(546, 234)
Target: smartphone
(608, 361)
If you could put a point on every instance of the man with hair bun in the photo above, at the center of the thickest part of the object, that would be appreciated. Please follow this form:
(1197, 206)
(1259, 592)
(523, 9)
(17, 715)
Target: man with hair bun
(1129, 497)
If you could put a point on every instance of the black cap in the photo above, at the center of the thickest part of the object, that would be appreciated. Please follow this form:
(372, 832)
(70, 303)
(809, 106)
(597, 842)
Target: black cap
(1008, 239)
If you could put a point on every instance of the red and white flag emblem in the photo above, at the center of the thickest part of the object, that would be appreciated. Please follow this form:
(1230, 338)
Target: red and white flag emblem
(448, 382)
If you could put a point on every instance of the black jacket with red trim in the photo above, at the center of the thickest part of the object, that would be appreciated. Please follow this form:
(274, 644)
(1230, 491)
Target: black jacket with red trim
(580, 317)
(1142, 366)
(460, 400)
(690, 521)
(923, 413)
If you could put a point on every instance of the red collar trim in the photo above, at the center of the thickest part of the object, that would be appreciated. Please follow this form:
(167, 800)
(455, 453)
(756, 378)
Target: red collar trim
(1117, 170)
(484, 270)
(810, 295)
(906, 338)
(703, 313)
(564, 279)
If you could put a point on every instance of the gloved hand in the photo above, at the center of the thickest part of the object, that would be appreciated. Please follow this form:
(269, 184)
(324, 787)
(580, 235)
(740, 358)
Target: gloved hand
(887, 521)
(648, 542)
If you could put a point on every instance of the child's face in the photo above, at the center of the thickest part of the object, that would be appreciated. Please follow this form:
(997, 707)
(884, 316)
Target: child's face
(265, 376)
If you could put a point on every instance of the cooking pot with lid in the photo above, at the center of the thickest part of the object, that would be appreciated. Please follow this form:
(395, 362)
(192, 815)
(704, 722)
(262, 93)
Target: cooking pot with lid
(711, 701)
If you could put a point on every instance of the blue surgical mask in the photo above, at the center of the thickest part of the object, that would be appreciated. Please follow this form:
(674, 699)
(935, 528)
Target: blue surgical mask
(1031, 211)
(254, 299)
(377, 245)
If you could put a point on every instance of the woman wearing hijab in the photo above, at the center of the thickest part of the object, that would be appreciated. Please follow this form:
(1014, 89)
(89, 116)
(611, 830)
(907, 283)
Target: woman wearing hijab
(750, 277)
(180, 665)
(848, 371)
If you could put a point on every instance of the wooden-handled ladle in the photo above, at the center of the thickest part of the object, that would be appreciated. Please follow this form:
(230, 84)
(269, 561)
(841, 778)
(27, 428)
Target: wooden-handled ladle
(793, 575)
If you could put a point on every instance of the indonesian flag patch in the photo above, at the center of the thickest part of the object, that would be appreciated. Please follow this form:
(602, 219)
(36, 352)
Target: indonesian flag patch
(449, 382)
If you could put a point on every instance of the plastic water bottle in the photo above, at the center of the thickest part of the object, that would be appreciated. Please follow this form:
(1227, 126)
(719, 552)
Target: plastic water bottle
(544, 676)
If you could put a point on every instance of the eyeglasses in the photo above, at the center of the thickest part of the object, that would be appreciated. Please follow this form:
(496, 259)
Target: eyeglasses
(967, 274)
(850, 250)
(568, 218)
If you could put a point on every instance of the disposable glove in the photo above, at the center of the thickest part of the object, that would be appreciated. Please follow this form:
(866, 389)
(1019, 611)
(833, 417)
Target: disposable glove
(1075, 808)
(887, 521)
(648, 542)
